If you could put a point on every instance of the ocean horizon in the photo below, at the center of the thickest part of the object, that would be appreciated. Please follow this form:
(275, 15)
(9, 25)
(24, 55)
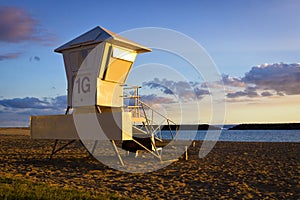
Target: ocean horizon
(237, 135)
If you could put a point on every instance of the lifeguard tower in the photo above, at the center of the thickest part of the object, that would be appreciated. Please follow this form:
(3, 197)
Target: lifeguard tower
(97, 65)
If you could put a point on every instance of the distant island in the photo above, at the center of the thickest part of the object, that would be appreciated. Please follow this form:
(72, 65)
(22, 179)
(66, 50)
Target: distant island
(265, 126)
(191, 127)
(277, 126)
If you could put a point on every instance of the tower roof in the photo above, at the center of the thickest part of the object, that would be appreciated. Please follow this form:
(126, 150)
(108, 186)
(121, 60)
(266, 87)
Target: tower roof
(98, 35)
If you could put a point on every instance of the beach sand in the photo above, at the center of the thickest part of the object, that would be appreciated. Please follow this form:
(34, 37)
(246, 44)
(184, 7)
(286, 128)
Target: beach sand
(231, 170)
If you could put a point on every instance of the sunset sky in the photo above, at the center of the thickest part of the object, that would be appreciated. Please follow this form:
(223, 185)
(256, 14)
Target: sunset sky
(254, 44)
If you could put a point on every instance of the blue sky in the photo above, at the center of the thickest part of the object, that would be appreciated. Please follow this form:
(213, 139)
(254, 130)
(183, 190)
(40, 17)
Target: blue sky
(238, 35)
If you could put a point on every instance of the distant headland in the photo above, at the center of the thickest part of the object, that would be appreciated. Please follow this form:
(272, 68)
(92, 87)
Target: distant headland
(191, 127)
(264, 126)
(275, 126)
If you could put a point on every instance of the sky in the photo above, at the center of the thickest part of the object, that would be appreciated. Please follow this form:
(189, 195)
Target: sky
(254, 44)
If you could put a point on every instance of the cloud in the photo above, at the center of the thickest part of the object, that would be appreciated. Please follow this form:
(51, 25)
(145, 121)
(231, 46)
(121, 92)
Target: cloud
(18, 26)
(163, 88)
(280, 94)
(266, 94)
(232, 81)
(17, 111)
(9, 56)
(183, 90)
(28, 102)
(155, 99)
(34, 58)
(200, 92)
(151, 99)
(248, 92)
(269, 79)
(59, 102)
(56, 103)
(279, 77)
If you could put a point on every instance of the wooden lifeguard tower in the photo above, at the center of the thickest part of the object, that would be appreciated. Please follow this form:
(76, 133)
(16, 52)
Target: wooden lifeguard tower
(97, 64)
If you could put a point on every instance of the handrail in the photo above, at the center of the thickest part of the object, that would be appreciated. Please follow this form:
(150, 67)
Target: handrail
(140, 107)
(143, 103)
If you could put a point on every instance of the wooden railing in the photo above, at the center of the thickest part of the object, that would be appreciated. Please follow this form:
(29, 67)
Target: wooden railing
(145, 117)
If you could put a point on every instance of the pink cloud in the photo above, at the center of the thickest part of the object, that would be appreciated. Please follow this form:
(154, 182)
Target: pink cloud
(152, 99)
(18, 26)
(9, 56)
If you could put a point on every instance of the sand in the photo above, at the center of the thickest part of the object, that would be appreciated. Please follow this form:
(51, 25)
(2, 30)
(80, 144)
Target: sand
(231, 170)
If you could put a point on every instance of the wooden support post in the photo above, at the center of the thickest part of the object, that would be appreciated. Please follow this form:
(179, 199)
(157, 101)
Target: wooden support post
(54, 151)
(186, 153)
(117, 152)
(94, 146)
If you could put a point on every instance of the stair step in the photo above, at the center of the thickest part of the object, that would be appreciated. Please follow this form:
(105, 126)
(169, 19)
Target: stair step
(134, 106)
(136, 130)
(138, 119)
(131, 97)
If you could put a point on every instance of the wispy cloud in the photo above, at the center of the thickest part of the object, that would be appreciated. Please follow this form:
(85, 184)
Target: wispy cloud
(9, 56)
(155, 99)
(18, 26)
(248, 92)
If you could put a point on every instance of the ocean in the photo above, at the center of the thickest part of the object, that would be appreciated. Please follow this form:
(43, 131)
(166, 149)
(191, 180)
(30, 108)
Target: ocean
(238, 135)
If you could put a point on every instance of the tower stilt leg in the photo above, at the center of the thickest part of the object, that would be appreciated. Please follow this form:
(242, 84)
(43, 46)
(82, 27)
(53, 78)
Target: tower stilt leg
(117, 152)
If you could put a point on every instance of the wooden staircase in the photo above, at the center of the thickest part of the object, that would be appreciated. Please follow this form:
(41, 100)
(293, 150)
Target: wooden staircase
(146, 129)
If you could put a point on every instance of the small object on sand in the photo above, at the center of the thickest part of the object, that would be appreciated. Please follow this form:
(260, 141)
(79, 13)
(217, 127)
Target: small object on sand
(186, 153)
